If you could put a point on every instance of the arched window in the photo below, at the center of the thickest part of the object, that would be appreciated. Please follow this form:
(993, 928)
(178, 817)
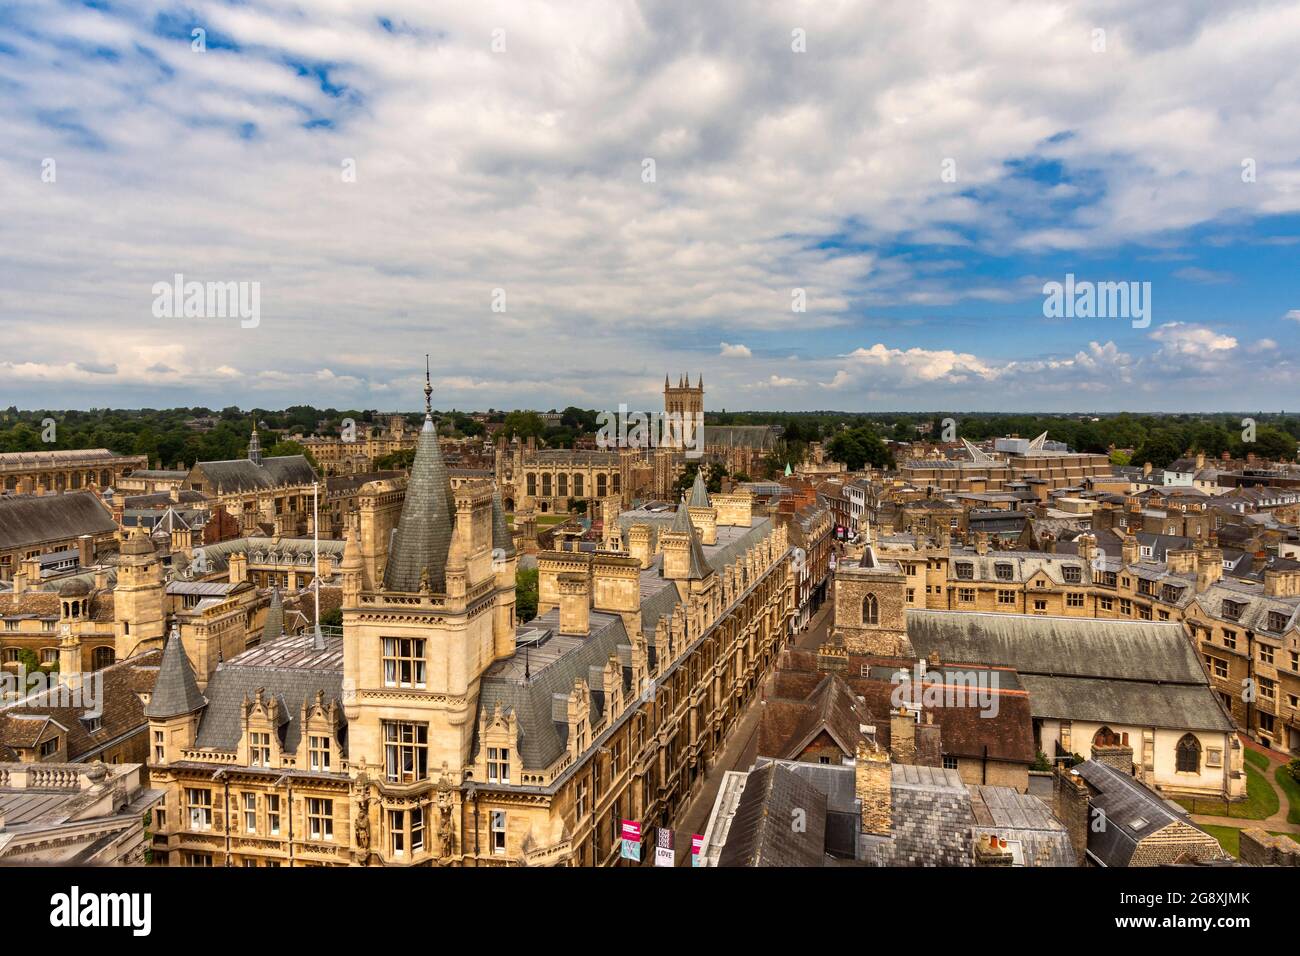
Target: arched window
(102, 657)
(546, 486)
(563, 481)
(1189, 754)
(532, 486)
(600, 486)
(870, 610)
(577, 486)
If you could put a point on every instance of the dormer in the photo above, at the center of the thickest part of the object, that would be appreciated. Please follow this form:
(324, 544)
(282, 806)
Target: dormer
(498, 758)
(319, 748)
(262, 720)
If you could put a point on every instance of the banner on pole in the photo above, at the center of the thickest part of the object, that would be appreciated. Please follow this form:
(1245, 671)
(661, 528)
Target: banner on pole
(697, 850)
(664, 847)
(631, 841)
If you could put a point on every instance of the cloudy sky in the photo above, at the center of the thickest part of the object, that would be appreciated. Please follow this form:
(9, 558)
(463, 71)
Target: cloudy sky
(471, 180)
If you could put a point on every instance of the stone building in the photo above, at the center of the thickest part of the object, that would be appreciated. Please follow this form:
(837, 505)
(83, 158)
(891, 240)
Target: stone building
(1116, 821)
(55, 472)
(435, 730)
(73, 815)
(44, 536)
(266, 495)
(338, 457)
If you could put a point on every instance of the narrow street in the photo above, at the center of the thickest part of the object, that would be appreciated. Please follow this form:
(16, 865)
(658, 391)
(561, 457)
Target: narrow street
(740, 749)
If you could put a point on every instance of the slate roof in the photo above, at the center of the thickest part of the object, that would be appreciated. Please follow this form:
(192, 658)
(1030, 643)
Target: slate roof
(761, 833)
(29, 520)
(423, 536)
(290, 670)
(699, 567)
(502, 540)
(122, 710)
(699, 492)
(273, 629)
(1135, 672)
(553, 666)
(175, 692)
(1132, 811)
(930, 819)
(758, 437)
(244, 474)
(1024, 819)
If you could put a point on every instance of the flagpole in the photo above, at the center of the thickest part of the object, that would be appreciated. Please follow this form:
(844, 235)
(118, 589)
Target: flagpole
(315, 556)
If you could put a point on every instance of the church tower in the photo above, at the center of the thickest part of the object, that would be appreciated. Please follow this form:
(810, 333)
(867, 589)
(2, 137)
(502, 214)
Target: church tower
(684, 404)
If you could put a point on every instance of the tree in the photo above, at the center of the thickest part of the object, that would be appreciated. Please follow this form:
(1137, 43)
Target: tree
(525, 425)
(526, 594)
(857, 447)
(332, 618)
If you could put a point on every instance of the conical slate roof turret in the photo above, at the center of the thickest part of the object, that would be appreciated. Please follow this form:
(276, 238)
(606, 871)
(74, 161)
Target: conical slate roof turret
(175, 692)
(699, 567)
(699, 491)
(273, 630)
(419, 546)
(502, 540)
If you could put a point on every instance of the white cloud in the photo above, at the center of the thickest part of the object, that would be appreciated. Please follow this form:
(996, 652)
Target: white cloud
(735, 351)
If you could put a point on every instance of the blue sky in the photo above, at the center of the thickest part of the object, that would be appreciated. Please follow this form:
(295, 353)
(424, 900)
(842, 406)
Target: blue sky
(919, 171)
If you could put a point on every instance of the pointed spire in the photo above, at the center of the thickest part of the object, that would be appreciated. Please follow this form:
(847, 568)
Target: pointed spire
(699, 491)
(666, 385)
(701, 385)
(428, 389)
(273, 630)
(254, 445)
(502, 540)
(420, 543)
(175, 692)
(682, 523)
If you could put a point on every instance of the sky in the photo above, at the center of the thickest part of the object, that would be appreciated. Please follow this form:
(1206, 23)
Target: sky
(814, 205)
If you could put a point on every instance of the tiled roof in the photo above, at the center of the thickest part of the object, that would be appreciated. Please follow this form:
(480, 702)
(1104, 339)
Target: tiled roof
(122, 710)
(27, 520)
(761, 833)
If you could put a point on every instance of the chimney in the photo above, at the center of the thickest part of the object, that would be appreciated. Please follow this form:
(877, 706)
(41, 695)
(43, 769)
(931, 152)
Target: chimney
(86, 550)
(1279, 583)
(575, 604)
(873, 779)
(1086, 545)
(981, 542)
(1071, 797)
(902, 735)
(1200, 460)
(1146, 470)
(638, 544)
(1209, 566)
(1132, 551)
(992, 850)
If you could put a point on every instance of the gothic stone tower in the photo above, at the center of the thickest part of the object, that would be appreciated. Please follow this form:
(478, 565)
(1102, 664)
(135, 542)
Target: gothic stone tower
(415, 647)
(684, 403)
(138, 598)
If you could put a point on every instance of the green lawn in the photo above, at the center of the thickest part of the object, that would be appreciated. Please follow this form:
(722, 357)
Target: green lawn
(1230, 837)
(1257, 759)
(1261, 800)
(1288, 785)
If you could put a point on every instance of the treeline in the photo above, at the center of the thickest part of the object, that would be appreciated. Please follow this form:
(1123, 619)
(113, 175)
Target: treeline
(186, 435)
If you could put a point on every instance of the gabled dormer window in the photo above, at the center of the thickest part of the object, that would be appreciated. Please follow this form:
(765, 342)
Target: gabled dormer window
(259, 749)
